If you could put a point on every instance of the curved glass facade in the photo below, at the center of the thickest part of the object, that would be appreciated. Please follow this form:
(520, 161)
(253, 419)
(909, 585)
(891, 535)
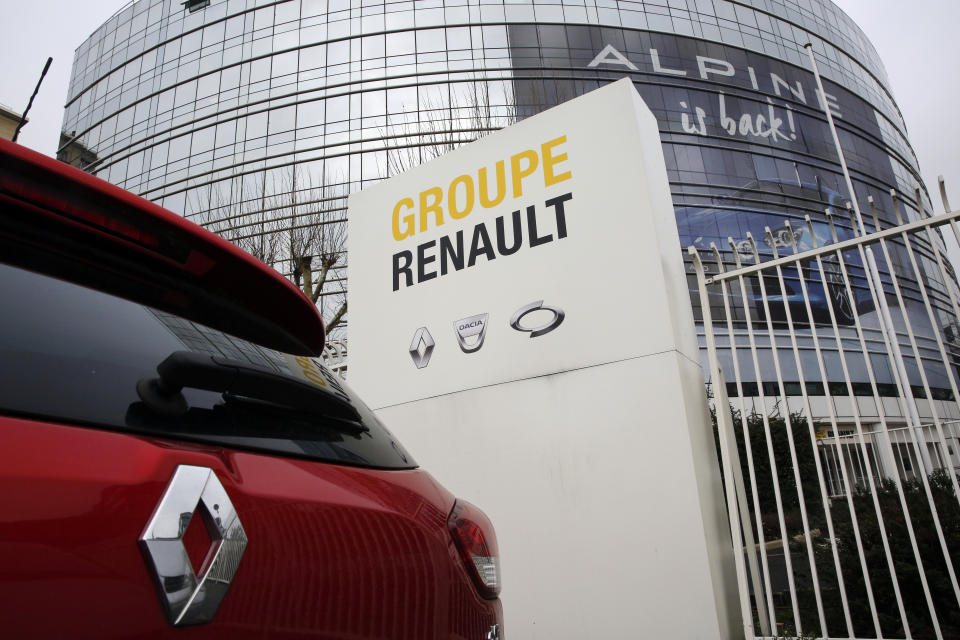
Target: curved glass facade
(216, 113)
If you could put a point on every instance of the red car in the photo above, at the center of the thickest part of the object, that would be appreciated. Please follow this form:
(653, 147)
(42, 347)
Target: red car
(174, 461)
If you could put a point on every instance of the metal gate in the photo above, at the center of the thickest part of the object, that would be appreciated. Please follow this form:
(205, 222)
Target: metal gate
(335, 356)
(832, 367)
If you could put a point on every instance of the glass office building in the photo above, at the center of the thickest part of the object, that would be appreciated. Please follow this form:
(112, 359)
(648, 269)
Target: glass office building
(217, 108)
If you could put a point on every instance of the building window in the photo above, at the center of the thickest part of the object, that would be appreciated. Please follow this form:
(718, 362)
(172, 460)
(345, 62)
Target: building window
(193, 5)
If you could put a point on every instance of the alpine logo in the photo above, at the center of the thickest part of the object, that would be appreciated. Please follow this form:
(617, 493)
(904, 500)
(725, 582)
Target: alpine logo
(543, 329)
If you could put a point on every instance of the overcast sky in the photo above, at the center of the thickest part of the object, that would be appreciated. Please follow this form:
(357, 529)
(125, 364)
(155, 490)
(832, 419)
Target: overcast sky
(917, 41)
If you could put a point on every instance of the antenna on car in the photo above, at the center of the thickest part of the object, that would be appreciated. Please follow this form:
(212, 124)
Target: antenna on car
(23, 118)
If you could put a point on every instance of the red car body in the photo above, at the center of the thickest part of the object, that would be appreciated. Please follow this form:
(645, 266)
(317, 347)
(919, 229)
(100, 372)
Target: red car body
(344, 537)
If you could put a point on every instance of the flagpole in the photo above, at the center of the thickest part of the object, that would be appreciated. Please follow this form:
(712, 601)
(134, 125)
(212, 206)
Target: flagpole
(900, 368)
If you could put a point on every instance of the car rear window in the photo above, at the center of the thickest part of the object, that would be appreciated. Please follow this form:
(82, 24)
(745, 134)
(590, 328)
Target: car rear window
(73, 355)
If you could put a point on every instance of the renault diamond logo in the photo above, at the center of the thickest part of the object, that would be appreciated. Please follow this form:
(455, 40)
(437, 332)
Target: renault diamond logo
(546, 327)
(186, 597)
(471, 331)
(421, 347)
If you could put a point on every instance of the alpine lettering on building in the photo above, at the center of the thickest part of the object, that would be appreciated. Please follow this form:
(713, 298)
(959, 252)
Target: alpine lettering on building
(522, 224)
(773, 121)
(708, 68)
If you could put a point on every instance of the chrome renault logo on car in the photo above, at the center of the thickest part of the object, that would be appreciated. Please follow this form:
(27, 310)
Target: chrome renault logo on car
(186, 597)
(421, 347)
(471, 332)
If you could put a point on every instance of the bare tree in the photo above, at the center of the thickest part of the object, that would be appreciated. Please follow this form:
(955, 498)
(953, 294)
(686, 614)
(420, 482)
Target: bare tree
(315, 237)
(445, 123)
(245, 222)
(291, 220)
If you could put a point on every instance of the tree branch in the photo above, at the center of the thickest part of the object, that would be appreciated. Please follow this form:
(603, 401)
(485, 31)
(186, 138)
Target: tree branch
(337, 317)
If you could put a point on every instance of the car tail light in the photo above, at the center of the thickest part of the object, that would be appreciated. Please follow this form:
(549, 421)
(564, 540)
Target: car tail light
(476, 541)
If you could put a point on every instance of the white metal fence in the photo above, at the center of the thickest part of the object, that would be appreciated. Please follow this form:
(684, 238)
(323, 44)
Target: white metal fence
(835, 395)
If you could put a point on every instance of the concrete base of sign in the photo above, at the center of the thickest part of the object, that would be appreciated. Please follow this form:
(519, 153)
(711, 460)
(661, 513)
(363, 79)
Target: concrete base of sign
(580, 427)
(602, 484)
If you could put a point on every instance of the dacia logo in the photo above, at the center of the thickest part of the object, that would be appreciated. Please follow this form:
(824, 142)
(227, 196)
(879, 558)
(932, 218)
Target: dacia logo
(471, 332)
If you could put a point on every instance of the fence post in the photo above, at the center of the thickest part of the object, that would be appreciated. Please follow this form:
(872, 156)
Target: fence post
(730, 457)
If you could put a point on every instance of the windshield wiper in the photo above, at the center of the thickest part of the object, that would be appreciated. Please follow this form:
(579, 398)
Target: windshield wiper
(188, 369)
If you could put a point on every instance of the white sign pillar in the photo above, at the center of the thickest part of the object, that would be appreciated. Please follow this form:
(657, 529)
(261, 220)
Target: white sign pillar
(519, 317)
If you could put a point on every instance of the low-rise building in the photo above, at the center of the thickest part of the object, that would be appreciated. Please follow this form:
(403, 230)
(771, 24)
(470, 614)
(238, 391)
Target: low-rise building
(9, 120)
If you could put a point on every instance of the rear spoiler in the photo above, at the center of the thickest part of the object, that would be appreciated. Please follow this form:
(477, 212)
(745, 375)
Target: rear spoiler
(60, 221)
